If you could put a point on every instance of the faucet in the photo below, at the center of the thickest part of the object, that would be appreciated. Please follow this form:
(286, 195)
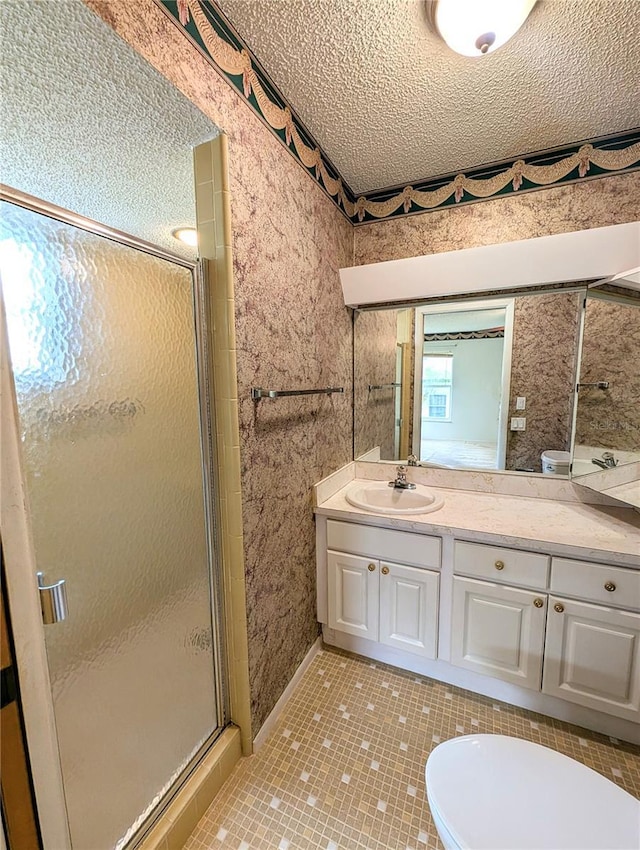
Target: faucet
(608, 461)
(401, 482)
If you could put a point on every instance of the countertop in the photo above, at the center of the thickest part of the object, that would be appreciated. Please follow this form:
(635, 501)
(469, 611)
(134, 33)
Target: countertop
(568, 528)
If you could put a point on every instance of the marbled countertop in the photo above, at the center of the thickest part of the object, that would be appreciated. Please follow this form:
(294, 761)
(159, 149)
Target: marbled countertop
(570, 529)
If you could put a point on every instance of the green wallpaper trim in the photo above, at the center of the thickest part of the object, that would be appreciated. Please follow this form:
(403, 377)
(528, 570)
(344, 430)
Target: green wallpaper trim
(204, 24)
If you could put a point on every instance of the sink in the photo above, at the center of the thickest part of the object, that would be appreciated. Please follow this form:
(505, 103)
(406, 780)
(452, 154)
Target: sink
(378, 498)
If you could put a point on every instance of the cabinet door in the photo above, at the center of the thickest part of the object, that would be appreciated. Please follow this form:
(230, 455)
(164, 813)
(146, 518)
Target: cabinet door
(498, 631)
(409, 608)
(592, 657)
(353, 594)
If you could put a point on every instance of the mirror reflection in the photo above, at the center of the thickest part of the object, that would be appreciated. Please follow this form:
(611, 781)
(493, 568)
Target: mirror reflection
(606, 454)
(473, 384)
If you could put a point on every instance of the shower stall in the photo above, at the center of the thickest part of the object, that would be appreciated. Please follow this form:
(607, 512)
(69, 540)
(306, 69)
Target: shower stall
(107, 349)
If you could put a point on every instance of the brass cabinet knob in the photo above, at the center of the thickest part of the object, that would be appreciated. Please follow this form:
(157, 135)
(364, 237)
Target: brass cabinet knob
(385, 571)
(538, 603)
(371, 567)
(499, 565)
(558, 607)
(610, 586)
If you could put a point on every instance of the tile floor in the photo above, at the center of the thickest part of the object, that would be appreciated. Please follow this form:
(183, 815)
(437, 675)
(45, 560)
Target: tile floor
(344, 767)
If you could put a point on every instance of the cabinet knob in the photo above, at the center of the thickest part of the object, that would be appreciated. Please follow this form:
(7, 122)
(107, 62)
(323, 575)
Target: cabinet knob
(538, 603)
(385, 571)
(610, 586)
(558, 607)
(499, 565)
(371, 567)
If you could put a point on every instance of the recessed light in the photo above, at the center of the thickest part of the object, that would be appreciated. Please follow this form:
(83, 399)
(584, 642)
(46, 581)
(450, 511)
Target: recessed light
(188, 235)
(477, 27)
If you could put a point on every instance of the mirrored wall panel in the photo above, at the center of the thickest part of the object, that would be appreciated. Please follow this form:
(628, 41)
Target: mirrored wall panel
(473, 384)
(606, 454)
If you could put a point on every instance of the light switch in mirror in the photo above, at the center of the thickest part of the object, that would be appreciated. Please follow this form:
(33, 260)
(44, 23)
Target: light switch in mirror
(442, 381)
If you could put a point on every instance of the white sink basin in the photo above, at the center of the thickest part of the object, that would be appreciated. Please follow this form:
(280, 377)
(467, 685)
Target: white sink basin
(378, 498)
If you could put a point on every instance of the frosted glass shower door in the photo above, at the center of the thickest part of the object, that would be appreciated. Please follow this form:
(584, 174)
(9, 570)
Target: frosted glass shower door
(103, 350)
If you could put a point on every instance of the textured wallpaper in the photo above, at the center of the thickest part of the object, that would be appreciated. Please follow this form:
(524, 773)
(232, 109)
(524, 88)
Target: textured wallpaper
(543, 370)
(610, 418)
(374, 344)
(578, 206)
(293, 332)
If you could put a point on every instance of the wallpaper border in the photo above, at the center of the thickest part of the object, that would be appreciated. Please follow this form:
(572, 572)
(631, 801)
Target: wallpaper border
(207, 28)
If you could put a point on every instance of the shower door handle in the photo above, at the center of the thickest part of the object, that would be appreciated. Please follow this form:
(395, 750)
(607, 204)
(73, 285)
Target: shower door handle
(53, 600)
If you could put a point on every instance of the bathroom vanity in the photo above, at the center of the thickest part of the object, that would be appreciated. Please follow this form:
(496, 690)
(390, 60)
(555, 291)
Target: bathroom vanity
(534, 601)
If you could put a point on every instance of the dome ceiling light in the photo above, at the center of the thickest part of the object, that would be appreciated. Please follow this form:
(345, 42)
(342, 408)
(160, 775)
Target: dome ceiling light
(188, 235)
(477, 27)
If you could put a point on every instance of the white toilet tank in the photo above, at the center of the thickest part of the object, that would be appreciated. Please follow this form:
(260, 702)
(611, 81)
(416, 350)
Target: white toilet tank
(494, 792)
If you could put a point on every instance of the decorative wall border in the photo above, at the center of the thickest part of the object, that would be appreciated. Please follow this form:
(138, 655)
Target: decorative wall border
(208, 29)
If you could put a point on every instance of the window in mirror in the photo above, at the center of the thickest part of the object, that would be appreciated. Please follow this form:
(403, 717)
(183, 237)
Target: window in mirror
(437, 378)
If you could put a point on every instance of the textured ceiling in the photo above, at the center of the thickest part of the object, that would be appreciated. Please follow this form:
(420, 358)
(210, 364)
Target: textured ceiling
(89, 125)
(390, 104)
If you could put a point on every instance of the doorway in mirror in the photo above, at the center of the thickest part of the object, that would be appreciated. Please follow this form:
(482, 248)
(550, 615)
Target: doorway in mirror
(463, 368)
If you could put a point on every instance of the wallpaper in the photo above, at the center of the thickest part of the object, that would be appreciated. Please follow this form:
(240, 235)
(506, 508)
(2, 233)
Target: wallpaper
(576, 206)
(543, 370)
(374, 342)
(293, 332)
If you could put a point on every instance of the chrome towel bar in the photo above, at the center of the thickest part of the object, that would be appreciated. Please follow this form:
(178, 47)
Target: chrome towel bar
(257, 392)
(383, 386)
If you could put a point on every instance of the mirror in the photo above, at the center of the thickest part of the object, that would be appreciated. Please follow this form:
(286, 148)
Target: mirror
(606, 453)
(442, 381)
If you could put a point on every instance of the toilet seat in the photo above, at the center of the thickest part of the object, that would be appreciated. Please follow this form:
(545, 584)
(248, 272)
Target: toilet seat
(494, 792)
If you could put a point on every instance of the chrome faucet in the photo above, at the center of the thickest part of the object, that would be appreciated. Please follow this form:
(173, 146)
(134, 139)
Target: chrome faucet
(401, 482)
(607, 461)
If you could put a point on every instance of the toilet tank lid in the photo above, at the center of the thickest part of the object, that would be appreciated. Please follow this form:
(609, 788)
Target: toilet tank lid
(495, 791)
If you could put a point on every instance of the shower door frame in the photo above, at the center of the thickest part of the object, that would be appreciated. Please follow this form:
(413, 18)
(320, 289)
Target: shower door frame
(20, 564)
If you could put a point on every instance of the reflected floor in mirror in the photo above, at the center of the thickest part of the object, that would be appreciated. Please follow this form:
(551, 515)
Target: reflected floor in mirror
(459, 453)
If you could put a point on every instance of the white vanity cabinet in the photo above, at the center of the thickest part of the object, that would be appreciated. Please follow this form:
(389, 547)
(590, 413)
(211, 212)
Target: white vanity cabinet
(558, 635)
(375, 598)
(498, 631)
(592, 651)
(497, 627)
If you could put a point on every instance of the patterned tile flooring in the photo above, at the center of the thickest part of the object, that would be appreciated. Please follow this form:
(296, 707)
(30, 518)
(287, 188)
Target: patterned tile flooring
(344, 767)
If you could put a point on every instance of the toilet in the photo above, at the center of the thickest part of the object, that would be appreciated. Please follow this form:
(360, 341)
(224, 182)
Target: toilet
(494, 792)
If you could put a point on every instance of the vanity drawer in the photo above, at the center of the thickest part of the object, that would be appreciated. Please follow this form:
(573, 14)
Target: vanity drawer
(510, 566)
(614, 586)
(401, 547)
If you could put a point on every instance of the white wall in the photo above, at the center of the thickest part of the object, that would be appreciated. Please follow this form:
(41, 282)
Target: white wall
(477, 386)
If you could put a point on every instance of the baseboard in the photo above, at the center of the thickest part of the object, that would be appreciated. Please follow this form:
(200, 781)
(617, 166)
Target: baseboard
(269, 724)
(194, 798)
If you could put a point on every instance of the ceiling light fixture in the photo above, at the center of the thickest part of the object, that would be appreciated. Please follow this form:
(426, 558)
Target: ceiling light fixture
(477, 27)
(188, 235)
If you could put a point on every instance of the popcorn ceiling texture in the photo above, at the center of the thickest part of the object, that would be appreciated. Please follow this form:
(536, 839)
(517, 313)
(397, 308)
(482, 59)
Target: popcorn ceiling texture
(69, 87)
(569, 74)
(292, 332)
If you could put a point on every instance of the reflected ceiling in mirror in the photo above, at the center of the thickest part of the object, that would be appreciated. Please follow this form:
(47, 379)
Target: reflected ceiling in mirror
(444, 381)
